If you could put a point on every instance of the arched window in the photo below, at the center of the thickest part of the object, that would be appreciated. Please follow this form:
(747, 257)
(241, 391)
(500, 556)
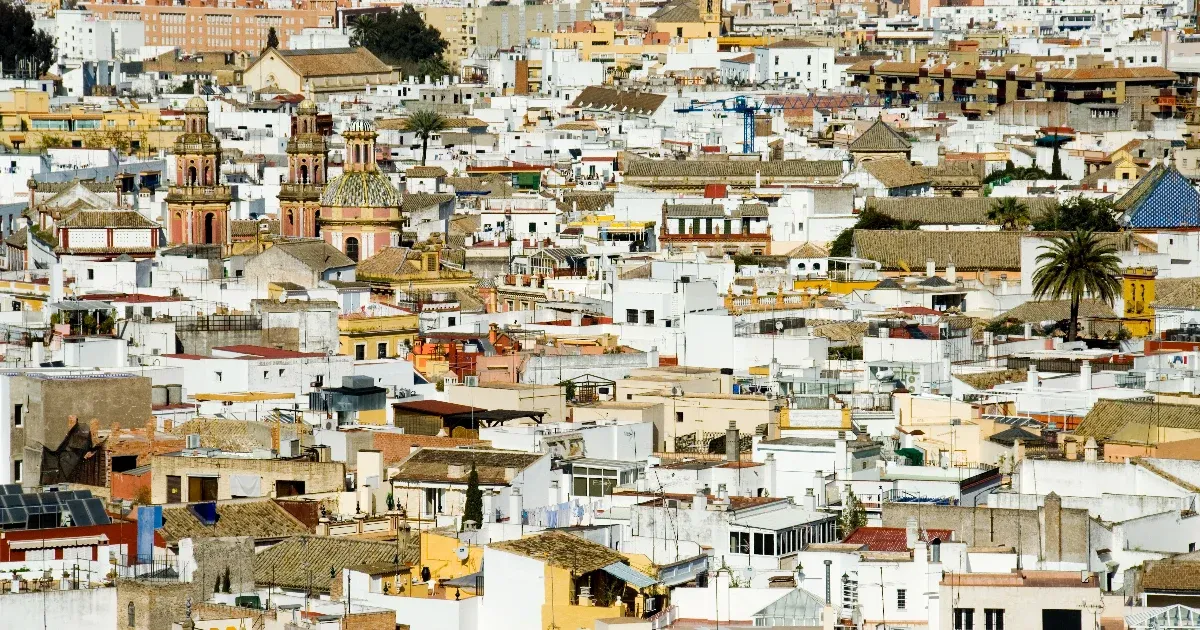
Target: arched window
(816, 266)
(129, 614)
(352, 248)
(208, 181)
(358, 154)
(291, 218)
(191, 176)
(317, 223)
(801, 266)
(303, 173)
(209, 228)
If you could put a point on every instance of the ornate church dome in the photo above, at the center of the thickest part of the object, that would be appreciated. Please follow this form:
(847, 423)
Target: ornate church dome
(360, 189)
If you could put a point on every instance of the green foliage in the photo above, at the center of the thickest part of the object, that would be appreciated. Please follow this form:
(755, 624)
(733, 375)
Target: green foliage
(473, 505)
(24, 49)
(1013, 172)
(391, 502)
(853, 514)
(1005, 327)
(868, 220)
(424, 123)
(1010, 213)
(1080, 213)
(54, 141)
(851, 353)
(272, 38)
(1074, 265)
(398, 37)
(1056, 171)
(434, 68)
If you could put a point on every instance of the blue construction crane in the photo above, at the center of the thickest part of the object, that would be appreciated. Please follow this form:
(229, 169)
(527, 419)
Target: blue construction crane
(737, 104)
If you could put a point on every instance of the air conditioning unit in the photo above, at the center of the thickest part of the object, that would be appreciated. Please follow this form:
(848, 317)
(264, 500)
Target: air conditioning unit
(192, 440)
(471, 381)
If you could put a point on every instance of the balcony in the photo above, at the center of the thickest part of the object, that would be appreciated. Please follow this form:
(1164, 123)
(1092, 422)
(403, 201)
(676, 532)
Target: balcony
(200, 193)
(300, 192)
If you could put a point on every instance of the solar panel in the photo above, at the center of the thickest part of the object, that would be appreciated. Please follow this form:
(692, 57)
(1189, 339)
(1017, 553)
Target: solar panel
(10, 488)
(79, 512)
(95, 508)
(9, 500)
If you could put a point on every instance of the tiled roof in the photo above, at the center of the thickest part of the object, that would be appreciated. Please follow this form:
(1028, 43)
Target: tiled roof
(396, 446)
(360, 189)
(324, 62)
(896, 249)
(586, 201)
(713, 169)
(250, 227)
(893, 538)
(896, 172)
(809, 250)
(608, 99)
(1177, 293)
(106, 219)
(949, 210)
(314, 254)
(1171, 575)
(433, 464)
(260, 518)
(302, 562)
(750, 210)
(1163, 198)
(681, 11)
(794, 43)
(1108, 417)
(239, 436)
(563, 550)
(1037, 311)
(692, 210)
(390, 262)
(425, 171)
(434, 407)
(1028, 579)
(419, 201)
(1009, 436)
(880, 137)
(984, 381)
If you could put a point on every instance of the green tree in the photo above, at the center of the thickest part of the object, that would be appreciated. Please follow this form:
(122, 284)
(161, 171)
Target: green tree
(362, 30)
(1076, 265)
(1080, 213)
(272, 38)
(400, 37)
(24, 49)
(1010, 213)
(434, 68)
(1056, 171)
(424, 123)
(868, 220)
(473, 505)
(853, 514)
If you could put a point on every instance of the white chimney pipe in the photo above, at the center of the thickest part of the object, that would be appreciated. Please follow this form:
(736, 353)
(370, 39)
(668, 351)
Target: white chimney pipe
(1085, 376)
(930, 267)
(1031, 379)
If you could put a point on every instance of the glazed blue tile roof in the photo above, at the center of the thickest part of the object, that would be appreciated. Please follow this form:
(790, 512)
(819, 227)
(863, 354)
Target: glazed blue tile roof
(1162, 199)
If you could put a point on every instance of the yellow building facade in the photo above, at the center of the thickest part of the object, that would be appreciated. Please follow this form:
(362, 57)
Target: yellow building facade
(1137, 290)
(28, 121)
(376, 337)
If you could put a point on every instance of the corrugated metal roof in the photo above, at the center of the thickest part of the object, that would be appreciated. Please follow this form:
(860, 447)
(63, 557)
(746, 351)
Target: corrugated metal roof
(629, 575)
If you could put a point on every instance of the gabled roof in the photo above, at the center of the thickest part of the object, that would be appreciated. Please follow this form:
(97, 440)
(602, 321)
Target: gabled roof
(314, 254)
(304, 562)
(678, 11)
(260, 518)
(608, 99)
(1163, 199)
(880, 138)
(325, 62)
(1010, 435)
(106, 219)
(950, 210)
(1036, 311)
(896, 172)
(1109, 417)
(562, 550)
(433, 464)
(893, 538)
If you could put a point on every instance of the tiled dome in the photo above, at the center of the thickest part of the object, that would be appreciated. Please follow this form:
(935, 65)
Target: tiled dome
(196, 104)
(307, 107)
(361, 124)
(360, 189)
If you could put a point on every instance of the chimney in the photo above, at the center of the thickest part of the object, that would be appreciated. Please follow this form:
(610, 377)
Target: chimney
(930, 267)
(1029, 330)
(951, 273)
(828, 583)
(910, 532)
(151, 431)
(1085, 375)
(810, 500)
(733, 446)
(94, 427)
(1031, 379)
(1090, 450)
(510, 473)
(700, 502)
(1018, 453)
(1071, 449)
(576, 319)
(769, 476)
(456, 471)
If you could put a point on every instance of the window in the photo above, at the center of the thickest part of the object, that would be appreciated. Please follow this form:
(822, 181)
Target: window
(433, 501)
(964, 619)
(532, 227)
(360, 351)
(993, 618)
(739, 542)
(678, 416)
(18, 414)
(849, 591)
(764, 544)
(319, 380)
(17, 469)
(91, 274)
(381, 350)
(451, 321)
(649, 316)
(218, 374)
(593, 482)
(901, 599)
(631, 316)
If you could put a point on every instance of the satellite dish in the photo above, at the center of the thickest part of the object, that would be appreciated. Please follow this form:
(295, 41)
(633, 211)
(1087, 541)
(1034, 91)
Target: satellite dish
(462, 552)
(282, 298)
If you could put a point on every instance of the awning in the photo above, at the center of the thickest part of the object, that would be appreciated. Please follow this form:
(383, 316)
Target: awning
(49, 543)
(629, 575)
(471, 581)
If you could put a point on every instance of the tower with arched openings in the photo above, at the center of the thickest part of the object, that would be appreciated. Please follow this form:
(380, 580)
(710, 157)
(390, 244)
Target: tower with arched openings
(300, 195)
(361, 208)
(197, 203)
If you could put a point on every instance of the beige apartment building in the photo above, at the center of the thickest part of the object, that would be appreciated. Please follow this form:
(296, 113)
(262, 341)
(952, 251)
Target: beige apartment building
(231, 25)
(492, 28)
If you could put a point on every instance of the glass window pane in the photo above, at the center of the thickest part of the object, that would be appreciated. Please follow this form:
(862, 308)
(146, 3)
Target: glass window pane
(610, 473)
(580, 488)
(609, 484)
(595, 488)
(768, 544)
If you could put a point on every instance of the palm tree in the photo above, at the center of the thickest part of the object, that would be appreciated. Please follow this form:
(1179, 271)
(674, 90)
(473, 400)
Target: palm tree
(425, 122)
(1075, 265)
(362, 29)
(1010, 213)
